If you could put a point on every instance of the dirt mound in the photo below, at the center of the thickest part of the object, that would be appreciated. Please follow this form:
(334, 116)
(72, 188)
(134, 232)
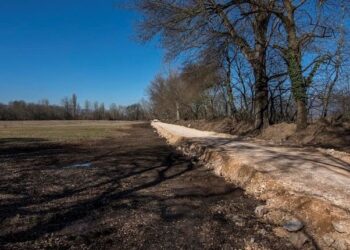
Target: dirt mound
(326, 135)
(321, 134)
(279, 132)
(226, 125)
(217, 125)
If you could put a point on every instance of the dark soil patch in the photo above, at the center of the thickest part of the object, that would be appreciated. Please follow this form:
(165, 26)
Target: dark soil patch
(138, 193)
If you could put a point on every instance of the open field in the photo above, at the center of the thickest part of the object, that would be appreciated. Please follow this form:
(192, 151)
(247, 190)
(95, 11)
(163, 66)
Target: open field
(115, 185)
(64, 131)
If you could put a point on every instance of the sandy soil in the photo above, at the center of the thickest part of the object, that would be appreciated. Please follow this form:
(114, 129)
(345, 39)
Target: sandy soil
(124, 192)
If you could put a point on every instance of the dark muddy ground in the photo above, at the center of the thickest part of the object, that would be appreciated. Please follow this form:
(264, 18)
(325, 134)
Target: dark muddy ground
(138, 193)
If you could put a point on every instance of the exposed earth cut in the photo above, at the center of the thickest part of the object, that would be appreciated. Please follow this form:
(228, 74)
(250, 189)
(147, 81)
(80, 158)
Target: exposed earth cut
(308, 184)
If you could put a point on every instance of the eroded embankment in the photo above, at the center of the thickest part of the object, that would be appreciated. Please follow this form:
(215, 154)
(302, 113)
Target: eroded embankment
(295, 183)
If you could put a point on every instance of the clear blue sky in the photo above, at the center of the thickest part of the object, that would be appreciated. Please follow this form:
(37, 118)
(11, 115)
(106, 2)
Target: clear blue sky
(53, 48)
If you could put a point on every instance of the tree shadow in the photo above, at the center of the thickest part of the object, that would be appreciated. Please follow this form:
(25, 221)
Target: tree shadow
(21, 148)
(165, 164)
(129, 177)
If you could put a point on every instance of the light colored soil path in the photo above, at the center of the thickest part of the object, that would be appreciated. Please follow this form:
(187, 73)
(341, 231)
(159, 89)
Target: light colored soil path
(305, 181)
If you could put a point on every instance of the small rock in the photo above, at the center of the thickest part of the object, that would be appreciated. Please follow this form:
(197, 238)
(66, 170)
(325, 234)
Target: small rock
(340, 245)
(341, 226)
(237, 220)
(260, 211)
(280, 232)
(262, 231)
(298, 239)
(328, 240)
(240, 224)
(293, 225)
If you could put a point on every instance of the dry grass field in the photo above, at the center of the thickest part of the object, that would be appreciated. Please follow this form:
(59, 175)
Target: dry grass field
(63, 131)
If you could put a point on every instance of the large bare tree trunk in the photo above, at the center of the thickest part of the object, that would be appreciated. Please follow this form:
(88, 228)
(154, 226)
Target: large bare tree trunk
(261, 99)
(258, 62)
(293, 56)
(299, 88)
(256, 57)
(229, 91)
(301, 114)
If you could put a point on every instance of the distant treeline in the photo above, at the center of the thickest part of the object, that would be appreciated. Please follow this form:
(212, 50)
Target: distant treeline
(70, 109)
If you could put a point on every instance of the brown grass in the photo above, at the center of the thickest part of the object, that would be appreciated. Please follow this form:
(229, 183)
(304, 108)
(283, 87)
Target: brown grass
(63, 131)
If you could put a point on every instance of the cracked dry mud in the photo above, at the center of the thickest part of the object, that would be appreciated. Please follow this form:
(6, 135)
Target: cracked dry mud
(138, 193)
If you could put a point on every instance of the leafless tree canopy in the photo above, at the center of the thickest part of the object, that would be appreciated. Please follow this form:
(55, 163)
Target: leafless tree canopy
(275, 60)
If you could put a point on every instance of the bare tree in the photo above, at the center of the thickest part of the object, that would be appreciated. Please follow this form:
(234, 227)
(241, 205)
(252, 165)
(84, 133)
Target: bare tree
(335, 64)
(195, 25)
(74, 106)
(304, 23)
(272, 55)
(67, 108)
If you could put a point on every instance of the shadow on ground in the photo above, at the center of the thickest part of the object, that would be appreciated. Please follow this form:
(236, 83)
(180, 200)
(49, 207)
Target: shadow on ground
(137, 193)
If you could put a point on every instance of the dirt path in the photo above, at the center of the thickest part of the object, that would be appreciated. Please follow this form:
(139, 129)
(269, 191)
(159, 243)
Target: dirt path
(138, 194)
(303, 170)
(309, 184)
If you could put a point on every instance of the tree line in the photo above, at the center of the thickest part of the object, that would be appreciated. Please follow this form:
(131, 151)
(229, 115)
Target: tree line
(266, 61)
(70, 109)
